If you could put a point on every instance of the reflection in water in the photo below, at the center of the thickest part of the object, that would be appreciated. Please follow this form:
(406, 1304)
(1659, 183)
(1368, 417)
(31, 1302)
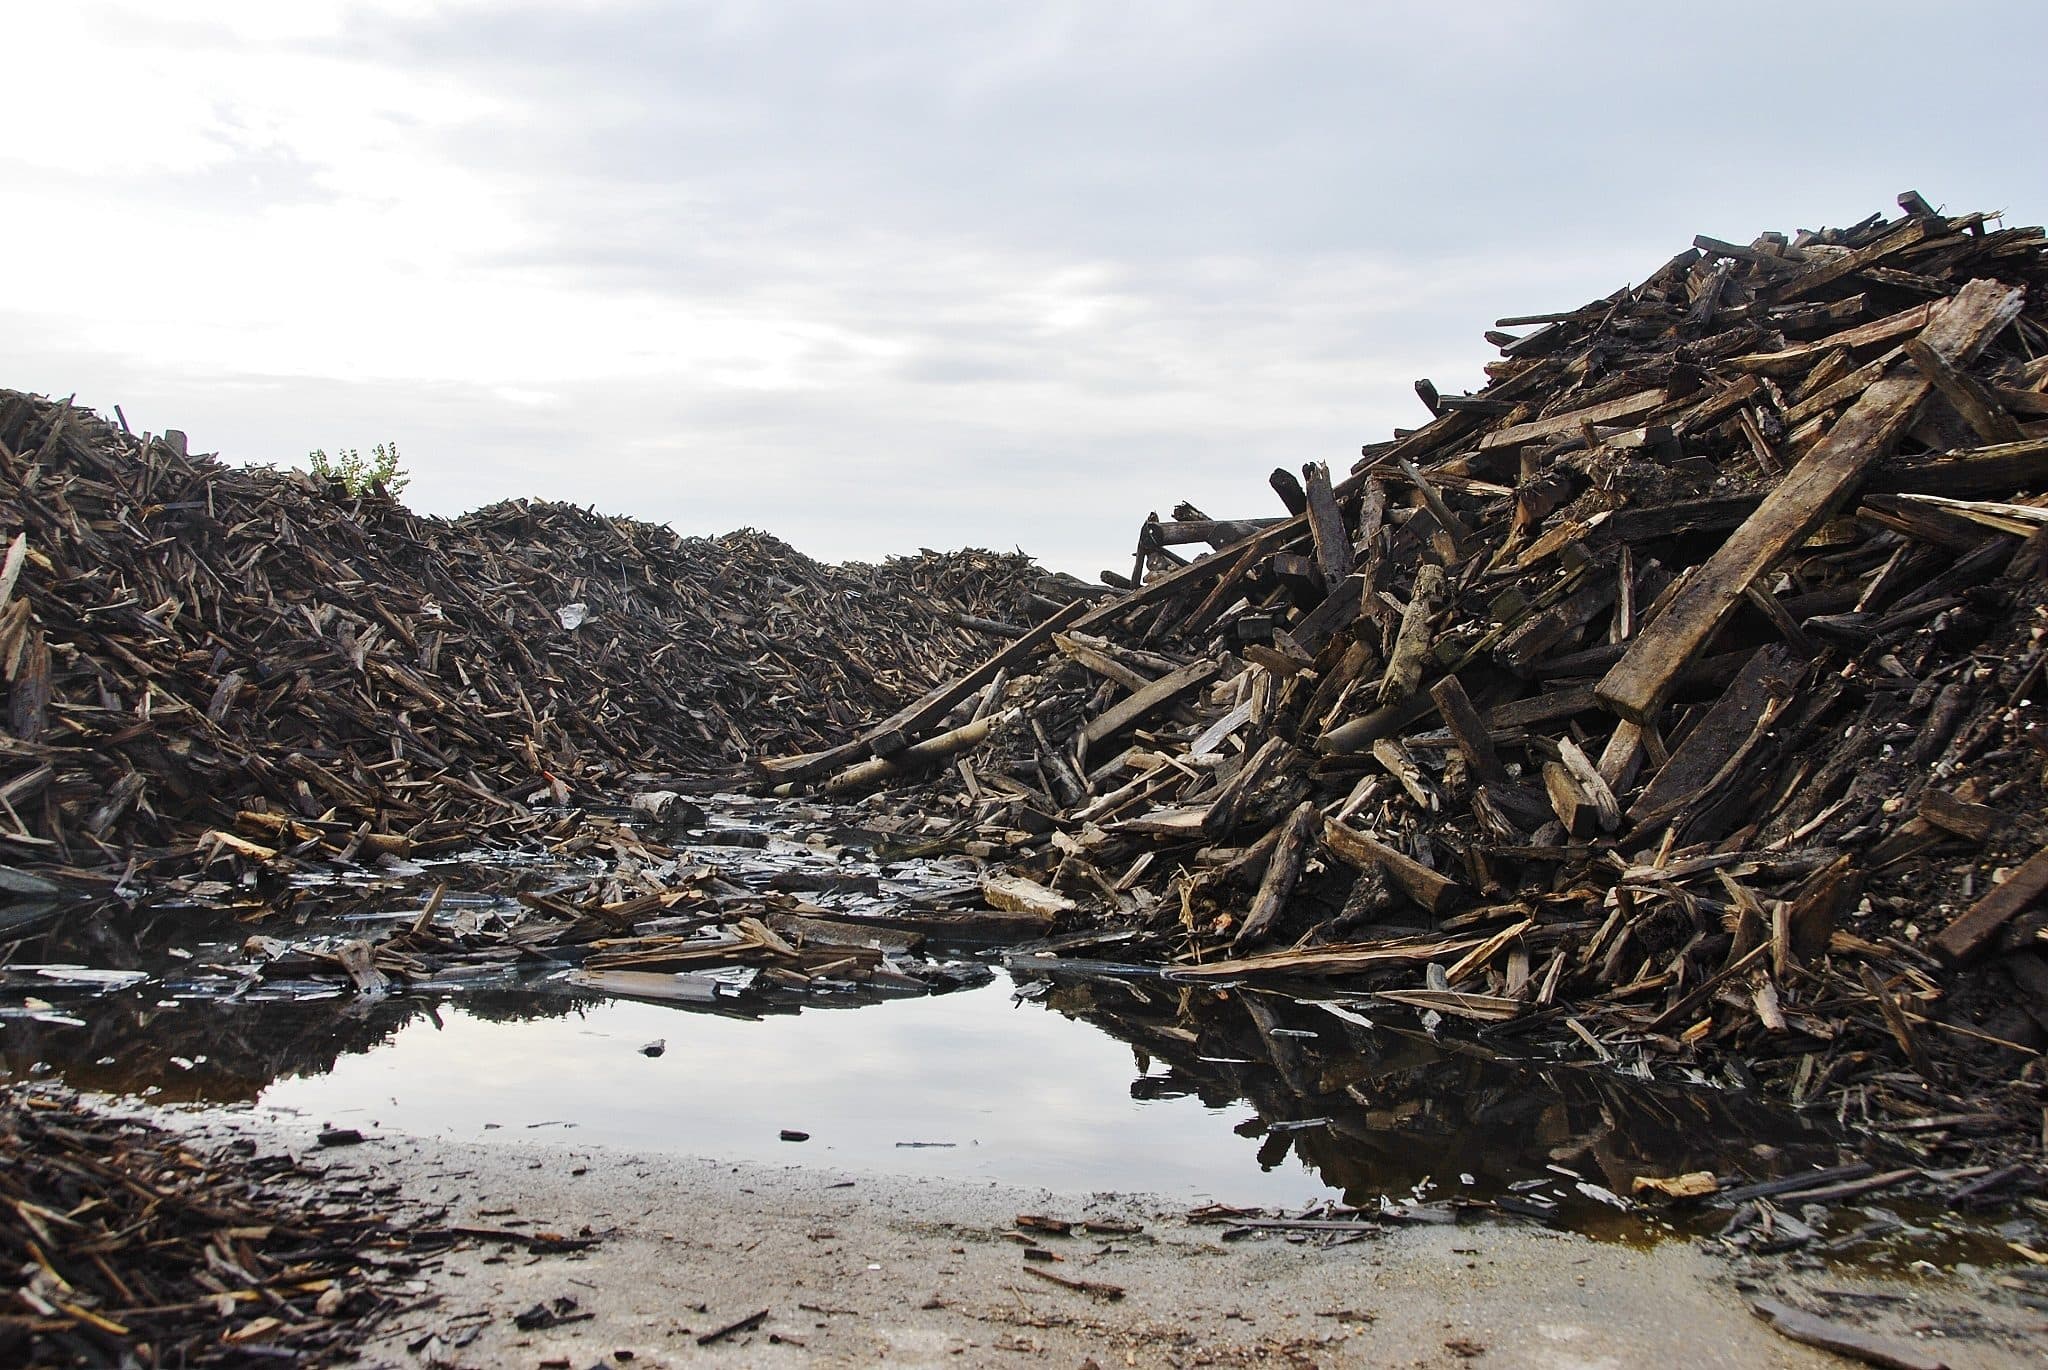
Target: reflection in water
(1130, 1083)
(1377, 1109)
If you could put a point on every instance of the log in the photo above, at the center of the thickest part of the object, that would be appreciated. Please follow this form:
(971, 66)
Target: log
(1153, 696)
(1283, 871)
(1411, 646)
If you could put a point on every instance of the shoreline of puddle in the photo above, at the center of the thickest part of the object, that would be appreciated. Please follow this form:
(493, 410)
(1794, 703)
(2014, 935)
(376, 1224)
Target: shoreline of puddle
(1067, 1076)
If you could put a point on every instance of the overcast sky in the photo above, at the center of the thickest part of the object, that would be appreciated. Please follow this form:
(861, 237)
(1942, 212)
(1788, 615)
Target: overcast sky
(886, 275)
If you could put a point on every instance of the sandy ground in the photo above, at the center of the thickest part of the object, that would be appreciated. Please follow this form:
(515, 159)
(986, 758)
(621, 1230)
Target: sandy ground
(857, 1269)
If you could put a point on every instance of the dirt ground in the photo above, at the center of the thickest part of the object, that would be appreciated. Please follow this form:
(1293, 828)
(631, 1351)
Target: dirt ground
(857, 1269)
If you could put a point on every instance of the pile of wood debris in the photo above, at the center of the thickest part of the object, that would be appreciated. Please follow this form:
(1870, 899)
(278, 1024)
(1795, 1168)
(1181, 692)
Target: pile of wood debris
(127, 1246)
(185, 641)
(1677, 696)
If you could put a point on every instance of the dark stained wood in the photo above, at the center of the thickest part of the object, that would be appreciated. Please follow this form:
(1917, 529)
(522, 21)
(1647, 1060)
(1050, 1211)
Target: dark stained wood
(1970, 935)
(1808, 494)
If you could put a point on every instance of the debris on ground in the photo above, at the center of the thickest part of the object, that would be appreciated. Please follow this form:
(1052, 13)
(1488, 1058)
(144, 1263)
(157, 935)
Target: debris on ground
(1667, 712)
(1851, 1342)
(129, 1245)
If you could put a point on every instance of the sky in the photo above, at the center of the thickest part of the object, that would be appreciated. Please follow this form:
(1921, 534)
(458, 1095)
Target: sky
(890, 275)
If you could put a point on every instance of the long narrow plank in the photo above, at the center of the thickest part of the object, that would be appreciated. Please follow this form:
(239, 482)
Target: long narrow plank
(1197, 573)
(905, 726)
(1849, 263)
(1283, 870)
(1432, 889)
(1627, 407)
(1802, 357)
(1343, 958)
(1993, 470)
(1967, 937)
(1333, 546)
(1160, 692)
(1806, 497)
(1769, 678)
(1979, 408)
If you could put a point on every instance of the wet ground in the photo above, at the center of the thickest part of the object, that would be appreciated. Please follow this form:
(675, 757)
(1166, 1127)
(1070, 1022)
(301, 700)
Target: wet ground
(959, 1063)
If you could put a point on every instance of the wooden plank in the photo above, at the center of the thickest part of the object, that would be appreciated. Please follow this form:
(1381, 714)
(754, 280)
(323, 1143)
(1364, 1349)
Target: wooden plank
(1569, 801)
(1840, 391)
(1844, 1340)
(1469, 732)
(1980, 409)
(918, 756)
(1411, 643)
(1992, 470)
(1196, 574)
(1848, 264)
(1228, 805)
(1800, 502)
(1101, 662)
(904, 727)
(1544, 708)
(1768, 680)
(1326, 524)
(1283, 871)
(1793, 360)
(1713, 515)
(1558, 425)
(1970, 935)
(1218, 533)
(1158, 694)
(1433, 890)
(1338, 611)
(1958, 816)
(1338, 959)
(1433, 499)
(1482, 1008)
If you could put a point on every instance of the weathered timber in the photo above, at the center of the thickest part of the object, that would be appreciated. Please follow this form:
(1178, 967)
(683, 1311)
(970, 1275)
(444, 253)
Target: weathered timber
(1434, 891)
(1810, 492)
(1971, 934)
(1283, 869)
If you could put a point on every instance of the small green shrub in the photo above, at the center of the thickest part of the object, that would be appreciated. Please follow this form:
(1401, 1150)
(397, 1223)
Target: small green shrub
(359, 474)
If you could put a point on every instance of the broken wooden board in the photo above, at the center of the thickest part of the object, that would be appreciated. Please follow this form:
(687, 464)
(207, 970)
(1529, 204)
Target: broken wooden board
(1808, 494)
(1971, 934)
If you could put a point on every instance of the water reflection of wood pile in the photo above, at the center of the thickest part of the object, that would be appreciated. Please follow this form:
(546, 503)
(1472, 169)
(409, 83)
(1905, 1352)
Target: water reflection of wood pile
(225, 1053)
(189, 1003)
(1376, 1109)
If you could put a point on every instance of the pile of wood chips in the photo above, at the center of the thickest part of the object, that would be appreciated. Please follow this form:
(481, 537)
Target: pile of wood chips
(125, 1246)
(185, 641)
(1677, 698)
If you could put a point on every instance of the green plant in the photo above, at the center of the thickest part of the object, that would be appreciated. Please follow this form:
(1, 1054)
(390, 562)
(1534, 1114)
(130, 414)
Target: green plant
(379, 471)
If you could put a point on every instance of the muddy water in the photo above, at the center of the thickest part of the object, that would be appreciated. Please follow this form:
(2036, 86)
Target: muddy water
(1077, 1078)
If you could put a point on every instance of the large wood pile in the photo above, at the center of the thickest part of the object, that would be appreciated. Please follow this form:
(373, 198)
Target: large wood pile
(184, 641)
(1677, 696)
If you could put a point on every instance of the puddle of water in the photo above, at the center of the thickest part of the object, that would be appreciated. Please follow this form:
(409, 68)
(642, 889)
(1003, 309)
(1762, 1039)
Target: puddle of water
(1103, 1083)
(969, 1085)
